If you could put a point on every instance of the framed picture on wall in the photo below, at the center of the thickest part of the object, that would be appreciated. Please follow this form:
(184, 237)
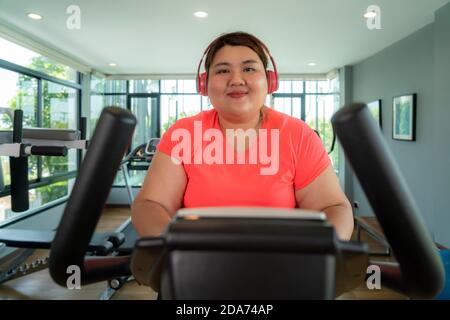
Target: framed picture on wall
(404, 117)
(375, 110)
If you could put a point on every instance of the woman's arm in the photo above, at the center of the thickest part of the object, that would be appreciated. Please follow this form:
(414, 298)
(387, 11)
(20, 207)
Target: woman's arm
(160, 197)
(325, 194)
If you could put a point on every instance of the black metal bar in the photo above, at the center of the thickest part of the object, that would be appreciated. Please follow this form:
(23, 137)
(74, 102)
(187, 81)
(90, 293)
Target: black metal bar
(422, 272)
(83, 127)
(19, 169)
(53, 151)
(112, 136)
(39, 121)
(18, 126)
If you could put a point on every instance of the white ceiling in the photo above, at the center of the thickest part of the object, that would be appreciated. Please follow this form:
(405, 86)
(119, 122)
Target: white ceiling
(163, 36)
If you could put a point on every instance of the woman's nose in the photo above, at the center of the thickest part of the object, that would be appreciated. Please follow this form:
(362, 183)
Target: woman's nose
(237, 79)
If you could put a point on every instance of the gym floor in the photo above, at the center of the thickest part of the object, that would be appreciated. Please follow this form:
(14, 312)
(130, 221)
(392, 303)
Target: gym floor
(40, 286)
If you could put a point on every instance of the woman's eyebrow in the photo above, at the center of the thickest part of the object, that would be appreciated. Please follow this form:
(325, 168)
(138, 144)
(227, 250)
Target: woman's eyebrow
(249, 61)
(227, 64)
(221, 64)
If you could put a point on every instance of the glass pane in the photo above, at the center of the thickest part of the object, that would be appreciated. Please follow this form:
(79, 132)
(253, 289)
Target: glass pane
(206, 104)
(101, 85)
(283, 105)
(168, 112)
(98, 102)
(5, 177)
(51, 192)
(285, 86)
(115, 100)
(18, 92)
(59, 106)
(174, 107)
(14, 53)
(323, 86)
(319, 110)
(311, 86)
(95, 111)
(97, 84)
(311, 111)
(144, 86)
(334, 85)
(59, 111)
(38, 197)
(53, 165)
(115, 86)
(297, 86)
(297, 108)
(145, 110)
(169, 86)
(187, 86)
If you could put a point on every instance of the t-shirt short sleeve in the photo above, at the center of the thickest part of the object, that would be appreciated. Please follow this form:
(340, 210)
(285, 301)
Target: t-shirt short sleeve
(311, 159)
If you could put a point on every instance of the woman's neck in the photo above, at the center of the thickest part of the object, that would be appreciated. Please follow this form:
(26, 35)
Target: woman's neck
(253, 122)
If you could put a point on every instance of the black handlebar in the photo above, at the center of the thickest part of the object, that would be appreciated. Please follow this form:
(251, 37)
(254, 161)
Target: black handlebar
(53, 151)
(421, 273)
(112, 137)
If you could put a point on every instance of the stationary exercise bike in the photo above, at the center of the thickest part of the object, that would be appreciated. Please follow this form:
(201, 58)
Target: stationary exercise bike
(256, 253)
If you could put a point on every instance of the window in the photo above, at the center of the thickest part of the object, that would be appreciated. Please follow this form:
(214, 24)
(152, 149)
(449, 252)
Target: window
(38, 197)
(105, 93)
(144, 86)
(179, 99)
(18, 91)
(16, 54)
(313, 101)
(157, 104)
(59, 110)
(49, 97)
(174, 107)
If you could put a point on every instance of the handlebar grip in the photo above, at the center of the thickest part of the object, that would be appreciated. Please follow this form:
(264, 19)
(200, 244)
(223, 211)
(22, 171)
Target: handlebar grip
(49, 151)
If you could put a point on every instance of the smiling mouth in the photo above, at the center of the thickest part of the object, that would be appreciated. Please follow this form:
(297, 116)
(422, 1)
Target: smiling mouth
(237, 95)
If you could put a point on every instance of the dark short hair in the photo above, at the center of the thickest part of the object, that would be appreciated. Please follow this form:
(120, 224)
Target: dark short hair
(237, 39)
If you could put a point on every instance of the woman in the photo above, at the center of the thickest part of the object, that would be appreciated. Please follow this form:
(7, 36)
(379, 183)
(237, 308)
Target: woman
(274, 160)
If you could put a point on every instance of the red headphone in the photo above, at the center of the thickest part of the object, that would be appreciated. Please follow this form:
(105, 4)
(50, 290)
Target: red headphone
(272, 76)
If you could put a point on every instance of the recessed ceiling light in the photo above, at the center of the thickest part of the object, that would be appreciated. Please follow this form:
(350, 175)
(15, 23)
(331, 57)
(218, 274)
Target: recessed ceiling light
(112, 64)
(370, 15)
(34, 16)
(200, 14)
(312, 64)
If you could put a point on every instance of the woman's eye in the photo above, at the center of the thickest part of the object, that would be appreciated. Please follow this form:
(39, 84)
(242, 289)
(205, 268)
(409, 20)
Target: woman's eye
(249, 69)
(221, 71)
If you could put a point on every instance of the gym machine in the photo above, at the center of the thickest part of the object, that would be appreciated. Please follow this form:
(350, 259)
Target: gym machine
(242, 254)
(18, 144)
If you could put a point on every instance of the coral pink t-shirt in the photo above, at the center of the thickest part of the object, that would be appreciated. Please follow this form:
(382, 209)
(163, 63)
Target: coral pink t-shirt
(286, 156)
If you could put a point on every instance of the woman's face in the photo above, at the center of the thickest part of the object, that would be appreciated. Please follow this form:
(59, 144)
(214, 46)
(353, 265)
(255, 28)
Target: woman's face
(237, 83)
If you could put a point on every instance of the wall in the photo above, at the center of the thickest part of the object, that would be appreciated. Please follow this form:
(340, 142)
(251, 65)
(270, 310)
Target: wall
(418, 64)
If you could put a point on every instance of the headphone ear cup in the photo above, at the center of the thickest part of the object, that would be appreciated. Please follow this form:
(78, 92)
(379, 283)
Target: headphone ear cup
(272, 82)
(201, 84)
